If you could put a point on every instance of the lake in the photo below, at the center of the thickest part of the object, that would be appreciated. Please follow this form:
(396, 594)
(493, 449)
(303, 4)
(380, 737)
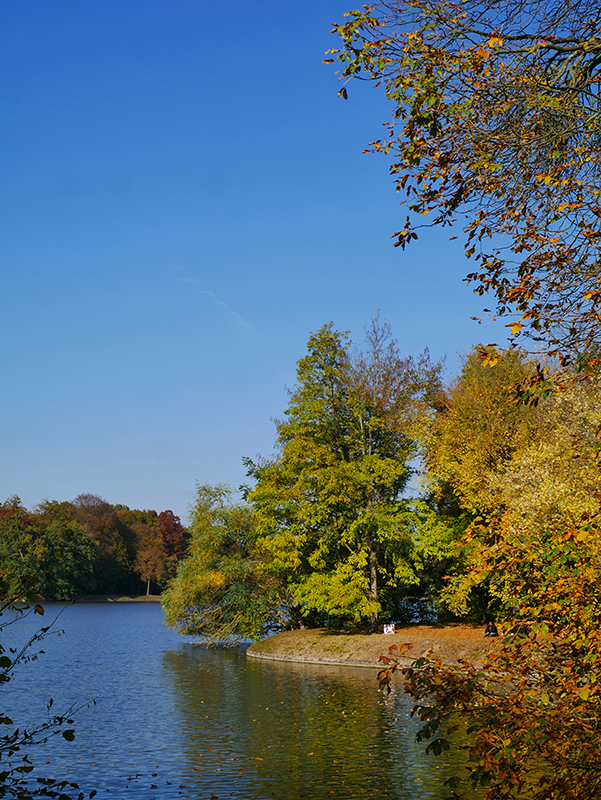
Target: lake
(175, 719)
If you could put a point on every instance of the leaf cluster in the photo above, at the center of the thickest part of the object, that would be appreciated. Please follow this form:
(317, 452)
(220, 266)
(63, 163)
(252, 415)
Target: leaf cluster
(495, 125)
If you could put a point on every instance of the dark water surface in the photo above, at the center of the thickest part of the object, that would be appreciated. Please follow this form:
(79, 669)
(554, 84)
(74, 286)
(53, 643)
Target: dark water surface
(174, 719)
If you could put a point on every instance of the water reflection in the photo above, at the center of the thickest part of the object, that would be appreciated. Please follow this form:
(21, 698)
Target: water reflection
(271, 729)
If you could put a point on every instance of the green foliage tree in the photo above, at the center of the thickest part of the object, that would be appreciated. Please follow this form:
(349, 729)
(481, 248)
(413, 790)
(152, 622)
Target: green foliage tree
(21, 550)
(329, 509)
(495, 124)
(220, 591)
(46, 550)
(74, 553)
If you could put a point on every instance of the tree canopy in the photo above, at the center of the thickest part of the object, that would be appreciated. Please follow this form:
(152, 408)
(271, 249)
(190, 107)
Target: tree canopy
(495, 126)
(220, 591)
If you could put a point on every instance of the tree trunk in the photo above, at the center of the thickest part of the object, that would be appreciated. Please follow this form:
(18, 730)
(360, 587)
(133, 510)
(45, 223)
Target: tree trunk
(148, 586)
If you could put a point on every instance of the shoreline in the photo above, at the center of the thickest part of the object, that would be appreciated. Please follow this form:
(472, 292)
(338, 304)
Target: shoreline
(328, 662)
(116, 598)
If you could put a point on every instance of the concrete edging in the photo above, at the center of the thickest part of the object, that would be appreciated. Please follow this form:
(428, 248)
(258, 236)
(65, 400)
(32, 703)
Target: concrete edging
(328, 662)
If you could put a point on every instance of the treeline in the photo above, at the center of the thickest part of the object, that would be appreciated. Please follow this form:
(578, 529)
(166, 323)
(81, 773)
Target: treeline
(328, 533)
(87, 546)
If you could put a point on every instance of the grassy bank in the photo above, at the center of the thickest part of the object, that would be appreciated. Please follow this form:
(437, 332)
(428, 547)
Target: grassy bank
(448, 642)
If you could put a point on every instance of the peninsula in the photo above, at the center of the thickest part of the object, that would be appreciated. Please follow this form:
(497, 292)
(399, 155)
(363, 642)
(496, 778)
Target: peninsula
(359, 649)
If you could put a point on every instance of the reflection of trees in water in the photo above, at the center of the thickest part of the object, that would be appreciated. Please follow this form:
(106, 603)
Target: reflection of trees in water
(422, 775)
(288, 730)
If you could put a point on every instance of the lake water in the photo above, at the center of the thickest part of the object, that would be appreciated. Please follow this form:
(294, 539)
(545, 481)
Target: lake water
(174, 719)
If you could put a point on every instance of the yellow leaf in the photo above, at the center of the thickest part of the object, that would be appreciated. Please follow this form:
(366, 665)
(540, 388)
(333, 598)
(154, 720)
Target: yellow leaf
(490, 361)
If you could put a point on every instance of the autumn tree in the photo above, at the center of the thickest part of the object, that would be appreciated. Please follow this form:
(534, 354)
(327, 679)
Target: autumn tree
(495, 126)
(174, 538)
(529, 466)
(174, 533)
(220, 591)
(474, 437)
(151, 555)
(329, 509)
(116, 543)
(555, 476)
(532, 706)
(529, 475)
(159, 542)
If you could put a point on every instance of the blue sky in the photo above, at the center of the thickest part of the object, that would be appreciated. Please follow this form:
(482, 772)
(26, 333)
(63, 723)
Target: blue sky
(184, 201)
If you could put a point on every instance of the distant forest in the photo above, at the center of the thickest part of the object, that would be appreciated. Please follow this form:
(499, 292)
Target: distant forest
(87, 546)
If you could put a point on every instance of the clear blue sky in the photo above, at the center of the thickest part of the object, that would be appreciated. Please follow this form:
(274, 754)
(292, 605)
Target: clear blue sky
(184, 200)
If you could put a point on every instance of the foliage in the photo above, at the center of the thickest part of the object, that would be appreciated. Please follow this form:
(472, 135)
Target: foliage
(480, 428)
(174, 534)
(532, 708)
(219, 591)
(556, 476)
(151, 555)
(114, 568)
(159, 541)
(392, 663)
(329, 510)
(530, 465)
(435, 529)
(495, 124)
(46, 550)
(63, 549)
